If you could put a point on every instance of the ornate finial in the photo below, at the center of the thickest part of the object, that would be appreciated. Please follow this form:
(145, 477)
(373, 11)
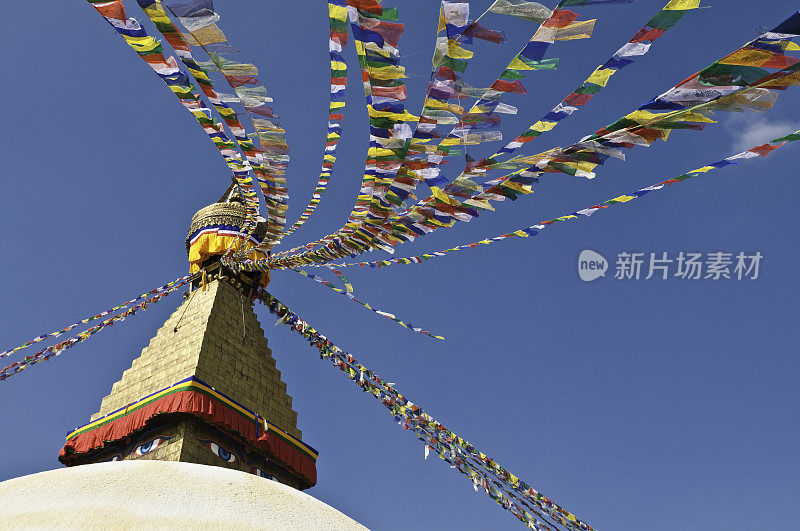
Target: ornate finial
(216, 228)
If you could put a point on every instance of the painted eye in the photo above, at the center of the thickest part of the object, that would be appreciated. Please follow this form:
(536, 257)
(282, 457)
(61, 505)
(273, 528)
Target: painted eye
(116, 457)
(221, 452)
(149, 446)
(260, 473)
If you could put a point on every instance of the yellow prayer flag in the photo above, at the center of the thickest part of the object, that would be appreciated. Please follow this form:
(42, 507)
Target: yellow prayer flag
(387, 73)
(141, 42)
(451, 142)
(373, 47)
(198, 74)
(645, 116)
(440, 105)
(747, 57)
(695, 117)
(337, 12)
(457, 52)
(678, 5)
(441, 196)
(405, 116)
(601, 75)
(517, 64)
(543, 126)
(380, 152)
(703, 169)
(156, 13)
(523, 188)
(584, 165)
(624, 198)
(789, 80)
(210, 34)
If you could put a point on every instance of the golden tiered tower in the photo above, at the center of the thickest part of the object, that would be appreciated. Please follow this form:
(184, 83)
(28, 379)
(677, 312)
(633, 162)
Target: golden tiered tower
(206, 389)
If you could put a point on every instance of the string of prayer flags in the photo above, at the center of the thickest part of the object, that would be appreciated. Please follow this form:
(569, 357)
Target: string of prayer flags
(337, 14)
(485, 112)
(376, 36)
(343, 279)
(558, 24)
(530, 506)
(449, 56)
(534, 229)
(635, 129)
(752, 153)
(478, 125)
(268, 160)
(455, 31)
(100, 315)
(564, 109)
(687, 107)
(393, 89)
(672, 14)
(446, 84)
(689, 104)
(55, 350)
(635, 48)
(167, 69)
(156, 13)
(348, 292)
(364, 229)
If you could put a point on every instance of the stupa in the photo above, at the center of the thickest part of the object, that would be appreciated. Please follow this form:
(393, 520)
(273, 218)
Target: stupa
(204, 391)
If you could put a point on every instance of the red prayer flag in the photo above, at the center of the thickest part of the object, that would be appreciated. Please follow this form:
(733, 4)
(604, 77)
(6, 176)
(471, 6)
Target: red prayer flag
(560, 18)
(514, 87)
(479, 32)
(113, 9)
(398, 93)
(646, 34)
(765, 149)
(577, 100)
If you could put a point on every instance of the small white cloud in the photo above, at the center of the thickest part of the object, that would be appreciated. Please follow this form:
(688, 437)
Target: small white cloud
(748, 132)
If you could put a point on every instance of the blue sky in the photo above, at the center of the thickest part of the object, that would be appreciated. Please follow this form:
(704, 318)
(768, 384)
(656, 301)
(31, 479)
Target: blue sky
(660, 404)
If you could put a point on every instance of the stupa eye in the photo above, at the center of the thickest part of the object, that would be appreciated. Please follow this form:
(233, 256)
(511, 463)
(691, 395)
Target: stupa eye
(260, 473)
(116, 457)
(149, 446)
(221, 452)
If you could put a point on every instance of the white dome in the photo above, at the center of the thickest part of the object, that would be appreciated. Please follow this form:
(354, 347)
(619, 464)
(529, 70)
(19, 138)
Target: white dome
(160, 494)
